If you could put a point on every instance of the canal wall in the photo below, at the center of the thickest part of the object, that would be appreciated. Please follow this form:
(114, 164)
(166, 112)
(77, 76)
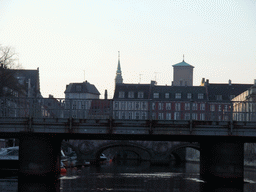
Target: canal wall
(193, 155)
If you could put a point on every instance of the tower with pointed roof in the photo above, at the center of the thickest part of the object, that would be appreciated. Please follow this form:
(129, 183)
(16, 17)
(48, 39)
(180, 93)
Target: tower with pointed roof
(182, 74)
(119, 78)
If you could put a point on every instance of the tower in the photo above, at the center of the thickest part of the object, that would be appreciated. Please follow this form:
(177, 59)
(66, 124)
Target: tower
(182, 74)
(119, 78)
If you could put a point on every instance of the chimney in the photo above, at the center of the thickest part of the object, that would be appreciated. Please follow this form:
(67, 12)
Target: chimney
(153, 83)
(229, 82)
(106, 94)
(254, 82)
(207, 82)
(203, 82)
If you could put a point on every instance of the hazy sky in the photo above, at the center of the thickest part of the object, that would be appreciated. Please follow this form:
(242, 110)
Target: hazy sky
(73, 41)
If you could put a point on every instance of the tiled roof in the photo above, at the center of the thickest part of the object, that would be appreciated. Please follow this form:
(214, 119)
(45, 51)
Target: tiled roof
(226, 90)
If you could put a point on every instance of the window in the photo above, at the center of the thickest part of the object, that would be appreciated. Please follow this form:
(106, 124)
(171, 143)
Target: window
(153, 116)
(202, 116)
(194, 106)
(129, 115)
(123, 115)
(219, 97)
(226, 108)
(144, 115)
(168, 106)
(137, 115)
(144, 105)
(74, 105)
(160, 116)
(200, 95)
(160, 106)
(153, 106)
(177, 106)
(177, 116)
(137, 105)
(212, 107)
(219, 107)
(116, 105)
(156, 95)
(202, 106)
(189, 96)
(130, 94)
(117, 115)
(129, 105)
(140, 94)
(168, 116)
(187, 106)
(187, 116)
(167, 95)
(194, 116)
(122, 105)
(121, 94)
(177, 95)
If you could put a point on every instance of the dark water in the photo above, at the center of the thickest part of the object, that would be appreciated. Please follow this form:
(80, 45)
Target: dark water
(140, 177)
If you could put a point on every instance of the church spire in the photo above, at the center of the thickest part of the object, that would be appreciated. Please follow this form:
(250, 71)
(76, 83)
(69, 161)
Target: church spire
(119, 66)
(119, 78)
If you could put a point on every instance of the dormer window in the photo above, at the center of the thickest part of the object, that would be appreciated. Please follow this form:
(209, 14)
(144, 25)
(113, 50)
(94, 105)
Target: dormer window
(177, 95)
(140, 95)
(219, 97)
(167, 95)
(200, 95)
(189, 96)
(130, 94)
(156, 95)
(121, 94)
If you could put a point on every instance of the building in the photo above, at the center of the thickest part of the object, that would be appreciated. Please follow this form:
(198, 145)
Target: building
(181, 101)
(20, 82)
(220, 96)
(83, 90)
(244, 105)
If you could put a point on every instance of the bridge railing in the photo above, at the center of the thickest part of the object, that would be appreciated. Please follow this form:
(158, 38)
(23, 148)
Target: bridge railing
(121, 109)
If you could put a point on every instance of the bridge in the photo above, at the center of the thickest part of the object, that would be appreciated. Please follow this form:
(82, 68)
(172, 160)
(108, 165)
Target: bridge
(41, 125)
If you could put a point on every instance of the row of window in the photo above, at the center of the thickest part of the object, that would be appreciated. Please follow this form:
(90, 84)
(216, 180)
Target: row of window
(168, 116)
(168, 95)
(142, 105)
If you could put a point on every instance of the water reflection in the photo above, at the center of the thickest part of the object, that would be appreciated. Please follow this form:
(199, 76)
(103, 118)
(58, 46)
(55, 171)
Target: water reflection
(136, 176)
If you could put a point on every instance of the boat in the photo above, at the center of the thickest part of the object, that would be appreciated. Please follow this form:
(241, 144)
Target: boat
(103, 157)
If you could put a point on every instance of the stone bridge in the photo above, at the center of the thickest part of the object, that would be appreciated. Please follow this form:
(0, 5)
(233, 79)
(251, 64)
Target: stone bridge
(157, 152)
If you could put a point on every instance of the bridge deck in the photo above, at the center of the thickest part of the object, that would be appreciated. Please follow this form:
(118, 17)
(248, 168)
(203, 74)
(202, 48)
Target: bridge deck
(134, 128)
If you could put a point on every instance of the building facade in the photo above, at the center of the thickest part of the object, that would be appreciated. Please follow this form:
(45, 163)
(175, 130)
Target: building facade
(244, 105)
(181, 101)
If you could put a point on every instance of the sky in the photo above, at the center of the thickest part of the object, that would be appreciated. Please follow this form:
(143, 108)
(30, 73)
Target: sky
(74, 41)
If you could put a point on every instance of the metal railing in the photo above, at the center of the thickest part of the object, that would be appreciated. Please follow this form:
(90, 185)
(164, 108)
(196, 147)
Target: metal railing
(129, 109)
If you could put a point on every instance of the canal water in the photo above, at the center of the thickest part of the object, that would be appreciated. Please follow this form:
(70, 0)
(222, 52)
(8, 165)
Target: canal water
(135, 176)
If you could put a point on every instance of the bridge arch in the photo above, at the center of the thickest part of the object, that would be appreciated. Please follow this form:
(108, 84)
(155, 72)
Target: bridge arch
(142, 152)
(176, 150)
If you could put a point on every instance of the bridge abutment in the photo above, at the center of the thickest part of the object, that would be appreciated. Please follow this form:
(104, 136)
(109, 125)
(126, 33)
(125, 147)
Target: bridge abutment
(222, 161)
(39, 161)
